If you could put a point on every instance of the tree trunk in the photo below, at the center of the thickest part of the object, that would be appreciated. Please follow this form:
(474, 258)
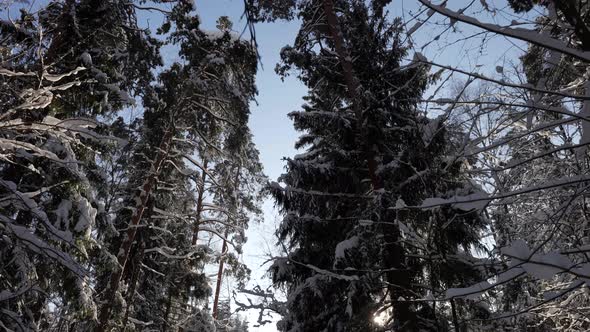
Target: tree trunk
(167, 313)
(219, 277)
(123, 254)
(135, 271)
(200, 203)
(224, 248)
(397, 277)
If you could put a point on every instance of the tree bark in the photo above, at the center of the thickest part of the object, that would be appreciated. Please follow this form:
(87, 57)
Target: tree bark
(397, 277)
(224, 248)
(135, 271)
(123, 254)
(200, 198)
(219, 277)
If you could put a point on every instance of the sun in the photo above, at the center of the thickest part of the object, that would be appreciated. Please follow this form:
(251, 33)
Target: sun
(381, 317)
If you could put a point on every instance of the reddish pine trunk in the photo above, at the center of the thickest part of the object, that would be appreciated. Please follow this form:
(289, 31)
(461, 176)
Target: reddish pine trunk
(200, 203)
(223, 250)
(219, 277)
(123, 254)
(398, 277)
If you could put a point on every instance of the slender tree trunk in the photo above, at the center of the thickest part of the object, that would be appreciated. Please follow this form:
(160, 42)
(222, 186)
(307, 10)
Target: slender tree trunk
(167, 313)
(455, 317)
(224, 248)
(219, 277)
(200, 202)
(397, 277)
(134, 278)
(123, 254)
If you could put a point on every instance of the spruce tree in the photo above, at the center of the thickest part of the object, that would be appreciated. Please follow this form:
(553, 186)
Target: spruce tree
(59, 79)
(354, 245)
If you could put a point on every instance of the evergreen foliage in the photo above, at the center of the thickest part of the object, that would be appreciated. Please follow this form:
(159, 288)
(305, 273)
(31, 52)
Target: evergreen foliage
(74, 171)
(352, 247)
(125, 179)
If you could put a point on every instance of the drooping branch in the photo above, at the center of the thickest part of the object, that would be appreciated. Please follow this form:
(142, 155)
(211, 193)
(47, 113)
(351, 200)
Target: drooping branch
(529, 36)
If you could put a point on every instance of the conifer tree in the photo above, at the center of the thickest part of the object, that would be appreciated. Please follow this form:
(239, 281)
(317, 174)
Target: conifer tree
(354, 247)
(197, 116)
(228, 322)
(59, 78)
(98, 221)
(532, 157)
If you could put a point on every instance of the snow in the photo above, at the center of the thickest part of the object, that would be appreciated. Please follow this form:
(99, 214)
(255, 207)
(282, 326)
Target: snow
(419, 57)
(365, 222)
(584, 270)
(544, 266)
(430, 129)
(35, 99)
(217, 34)
(476, 201)
(25, 201)
(62, 214)
(59, 77)
(28, 239)
(475, 291)
(169, 252)
(4, 295)
(7, 72)
(122, 95)
(343, 246)
(469, 293)
(517, 33)
(332, 274)
(87, 216)
(215, 60)
(86, 59)
(139, 322)
(547, 266)
(517, 248)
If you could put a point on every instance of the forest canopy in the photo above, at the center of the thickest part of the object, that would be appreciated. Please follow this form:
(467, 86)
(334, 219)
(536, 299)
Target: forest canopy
(440, 182)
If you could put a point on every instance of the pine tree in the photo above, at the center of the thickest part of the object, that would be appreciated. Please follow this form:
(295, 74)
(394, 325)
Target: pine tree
(197, 115)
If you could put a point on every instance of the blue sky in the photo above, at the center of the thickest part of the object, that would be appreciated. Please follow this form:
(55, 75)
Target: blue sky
(273, 131)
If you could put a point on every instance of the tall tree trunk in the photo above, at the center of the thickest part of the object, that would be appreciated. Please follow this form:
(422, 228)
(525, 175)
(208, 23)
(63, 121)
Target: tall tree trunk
(397, 276)
(200, 198)
(135, 271)
(123, 254)
(219, 276)
(455, 316)
(224, 247)
(168, 307)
